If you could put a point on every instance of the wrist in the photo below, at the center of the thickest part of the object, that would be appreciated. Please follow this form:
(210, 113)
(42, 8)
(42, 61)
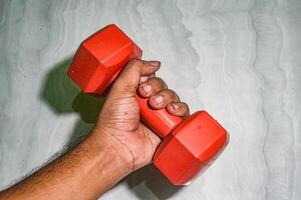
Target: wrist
(120, 160)
(102, 167)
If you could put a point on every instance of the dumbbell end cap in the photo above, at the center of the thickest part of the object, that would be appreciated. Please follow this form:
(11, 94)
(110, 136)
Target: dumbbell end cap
(100, 58)
(191, 148)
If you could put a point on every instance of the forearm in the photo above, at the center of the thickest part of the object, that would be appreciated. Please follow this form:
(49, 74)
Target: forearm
(85, 172)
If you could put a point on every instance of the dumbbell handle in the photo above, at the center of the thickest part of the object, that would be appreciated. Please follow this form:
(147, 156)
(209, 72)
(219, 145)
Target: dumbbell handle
(160, 121)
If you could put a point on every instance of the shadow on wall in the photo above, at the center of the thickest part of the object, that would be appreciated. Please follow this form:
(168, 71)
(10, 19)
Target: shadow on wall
(63, 96)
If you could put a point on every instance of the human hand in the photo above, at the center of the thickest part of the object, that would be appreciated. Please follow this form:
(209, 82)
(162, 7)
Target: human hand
(118, 144)
(119, 121)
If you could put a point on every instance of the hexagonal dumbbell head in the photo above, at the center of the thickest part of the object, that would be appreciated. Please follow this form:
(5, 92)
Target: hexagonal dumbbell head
(100, 58)
(188, 146)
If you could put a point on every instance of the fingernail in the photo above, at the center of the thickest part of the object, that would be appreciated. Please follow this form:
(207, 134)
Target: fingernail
(175, 106)
(147, 88)
(158, 100)
(143, 79)
(155, 63)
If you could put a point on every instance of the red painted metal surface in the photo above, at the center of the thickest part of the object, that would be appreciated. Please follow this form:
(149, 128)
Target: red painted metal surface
(188, 146)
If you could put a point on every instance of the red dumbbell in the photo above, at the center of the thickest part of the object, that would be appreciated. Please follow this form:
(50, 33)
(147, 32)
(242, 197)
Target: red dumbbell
(188, 146)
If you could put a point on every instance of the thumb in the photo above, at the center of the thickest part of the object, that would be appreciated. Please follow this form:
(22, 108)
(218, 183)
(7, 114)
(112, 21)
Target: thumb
(127, 83)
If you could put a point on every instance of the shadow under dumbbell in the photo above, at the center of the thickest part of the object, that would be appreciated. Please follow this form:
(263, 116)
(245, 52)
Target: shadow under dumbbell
(63, 96)
(148, 181)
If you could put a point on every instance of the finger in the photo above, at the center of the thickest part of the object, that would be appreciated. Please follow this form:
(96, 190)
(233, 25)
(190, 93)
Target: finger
(127, 82)
(163, 98)
(178, 108)
(152, 87)
(144, 79)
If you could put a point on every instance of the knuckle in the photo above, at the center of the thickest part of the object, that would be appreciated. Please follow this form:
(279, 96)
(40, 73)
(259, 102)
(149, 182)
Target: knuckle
(184, 104)
(135, 62)
(133, 65)
(169, 93)
(173, 94)
(185, 107)
(158, 82)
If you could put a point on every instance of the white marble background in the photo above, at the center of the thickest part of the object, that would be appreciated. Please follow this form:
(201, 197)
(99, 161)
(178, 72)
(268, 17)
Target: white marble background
(239, 60)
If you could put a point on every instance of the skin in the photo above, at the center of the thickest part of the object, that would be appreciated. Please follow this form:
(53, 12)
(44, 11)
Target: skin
(118, 144)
